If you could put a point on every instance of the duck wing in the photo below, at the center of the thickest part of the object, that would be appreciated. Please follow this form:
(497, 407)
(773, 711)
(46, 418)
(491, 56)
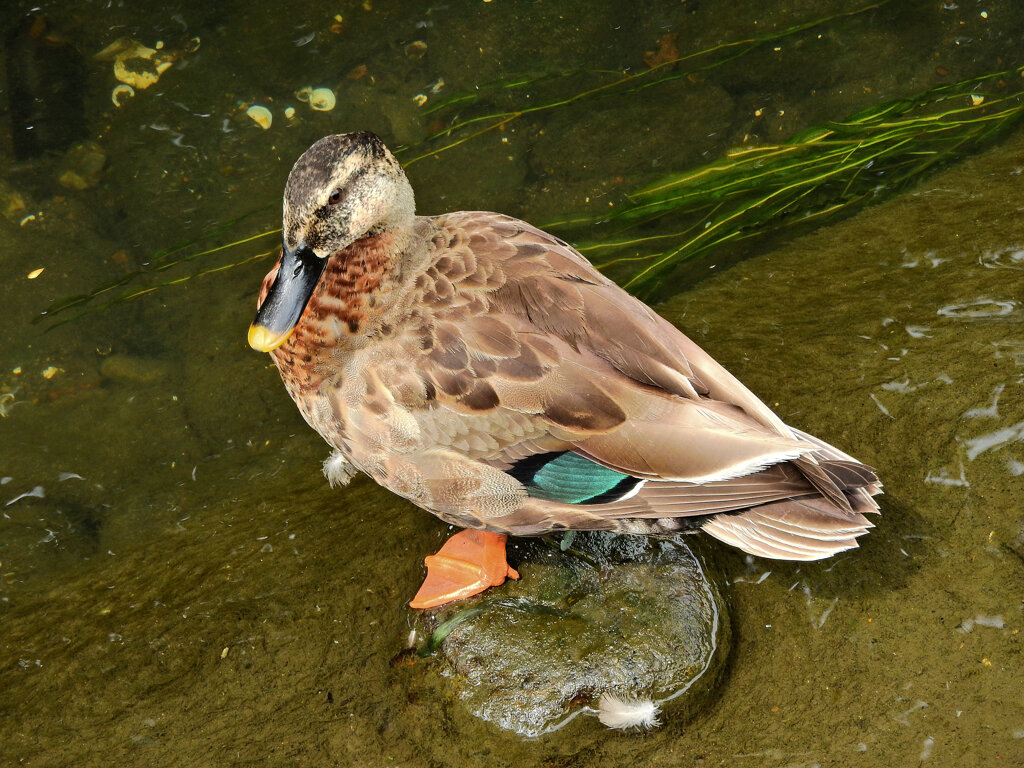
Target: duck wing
(566, 403)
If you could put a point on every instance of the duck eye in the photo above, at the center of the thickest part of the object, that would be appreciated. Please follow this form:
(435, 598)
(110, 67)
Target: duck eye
(335, 197)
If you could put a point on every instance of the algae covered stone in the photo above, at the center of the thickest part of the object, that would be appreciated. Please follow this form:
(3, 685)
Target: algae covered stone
(633, 617)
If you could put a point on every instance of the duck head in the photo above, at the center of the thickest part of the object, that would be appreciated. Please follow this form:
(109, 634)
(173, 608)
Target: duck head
(342, 189)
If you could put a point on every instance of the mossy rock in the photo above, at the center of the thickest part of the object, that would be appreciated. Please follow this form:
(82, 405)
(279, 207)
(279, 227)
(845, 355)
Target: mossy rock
(634, 617)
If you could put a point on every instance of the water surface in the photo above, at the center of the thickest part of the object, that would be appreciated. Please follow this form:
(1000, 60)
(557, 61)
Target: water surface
(180, 586)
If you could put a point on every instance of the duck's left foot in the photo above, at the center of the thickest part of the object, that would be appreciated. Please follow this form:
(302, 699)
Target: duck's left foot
(467, 564)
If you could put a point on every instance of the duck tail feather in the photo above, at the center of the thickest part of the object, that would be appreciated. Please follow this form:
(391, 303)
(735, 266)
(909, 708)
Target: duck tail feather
(798, 529)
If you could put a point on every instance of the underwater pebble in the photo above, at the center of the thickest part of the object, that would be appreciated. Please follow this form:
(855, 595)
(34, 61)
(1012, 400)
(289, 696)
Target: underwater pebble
(416, 49)
(261, 116)
(12, 204)
(121, 93)
(404, 117)
(134, 370)
(136, 64)
(82, 166)
(322, 99)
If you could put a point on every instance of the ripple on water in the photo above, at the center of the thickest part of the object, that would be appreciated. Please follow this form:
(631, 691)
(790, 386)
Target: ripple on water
(1008, 258)
(979, 309)
(996, 439)
(991, 411)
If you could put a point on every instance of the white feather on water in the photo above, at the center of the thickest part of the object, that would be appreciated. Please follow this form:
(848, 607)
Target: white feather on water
(621, 713)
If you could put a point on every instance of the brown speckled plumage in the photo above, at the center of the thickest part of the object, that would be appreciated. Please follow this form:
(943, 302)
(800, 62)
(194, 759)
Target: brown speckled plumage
(435, 352)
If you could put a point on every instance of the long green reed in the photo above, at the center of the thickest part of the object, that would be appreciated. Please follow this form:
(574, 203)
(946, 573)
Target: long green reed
(462, 129)
(149, 276)
(457, 131)
(820, 173)
(750, 192)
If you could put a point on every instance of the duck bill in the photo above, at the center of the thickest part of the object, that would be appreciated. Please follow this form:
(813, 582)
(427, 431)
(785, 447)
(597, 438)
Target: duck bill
(279, 313)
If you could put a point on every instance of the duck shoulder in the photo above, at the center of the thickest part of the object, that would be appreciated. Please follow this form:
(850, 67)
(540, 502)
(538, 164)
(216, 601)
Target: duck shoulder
(545, 281)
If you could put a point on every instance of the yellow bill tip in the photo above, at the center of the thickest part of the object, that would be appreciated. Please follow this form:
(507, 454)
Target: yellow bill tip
(262, 339)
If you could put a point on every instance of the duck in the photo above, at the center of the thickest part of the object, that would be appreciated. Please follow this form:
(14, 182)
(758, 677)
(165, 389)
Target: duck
(484, 370)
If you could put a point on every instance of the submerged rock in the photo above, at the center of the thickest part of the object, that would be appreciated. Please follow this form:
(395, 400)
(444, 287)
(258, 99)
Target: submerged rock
(627, 616)
(132, 369)
(82, 166)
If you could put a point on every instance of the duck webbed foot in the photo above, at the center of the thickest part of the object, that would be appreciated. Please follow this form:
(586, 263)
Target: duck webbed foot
(467, 564)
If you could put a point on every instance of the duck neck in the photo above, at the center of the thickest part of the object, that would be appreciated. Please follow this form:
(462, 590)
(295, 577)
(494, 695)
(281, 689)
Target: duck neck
(349, 294)
(360, 290)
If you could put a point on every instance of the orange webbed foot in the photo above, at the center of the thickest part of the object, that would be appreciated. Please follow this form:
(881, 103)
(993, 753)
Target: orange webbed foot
(467, 564)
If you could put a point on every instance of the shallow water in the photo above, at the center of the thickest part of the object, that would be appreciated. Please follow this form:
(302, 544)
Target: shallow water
(184, 588)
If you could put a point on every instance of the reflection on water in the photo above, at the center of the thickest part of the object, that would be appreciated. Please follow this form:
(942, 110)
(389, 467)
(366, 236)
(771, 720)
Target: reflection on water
(179, 585)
